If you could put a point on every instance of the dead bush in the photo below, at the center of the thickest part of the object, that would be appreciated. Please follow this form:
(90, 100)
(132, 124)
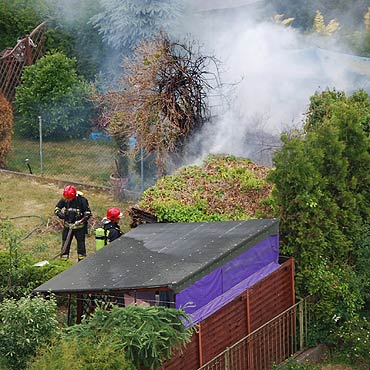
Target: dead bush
(6, 128)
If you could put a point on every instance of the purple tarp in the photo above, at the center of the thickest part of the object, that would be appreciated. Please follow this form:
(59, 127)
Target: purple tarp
(231, 294)
(248, 268)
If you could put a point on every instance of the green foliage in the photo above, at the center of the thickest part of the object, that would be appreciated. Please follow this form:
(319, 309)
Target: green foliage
(18, 275)
(52, 89)
(19, 278)
(323, 106)
(25, 325)
(18, 18)
(70, 32)
(100, 353)
(339, 292)
(322, 180)
(304, 11)
(361, 257)
(147, 335)
(292, 364)
(225, 188)
(354, 336)
(322, 186)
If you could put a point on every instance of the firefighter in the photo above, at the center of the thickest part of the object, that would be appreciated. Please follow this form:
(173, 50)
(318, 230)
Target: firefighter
(110, 230)
(74, 209)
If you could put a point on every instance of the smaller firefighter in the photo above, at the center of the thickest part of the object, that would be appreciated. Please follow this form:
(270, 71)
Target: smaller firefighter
(74, 209)
(110, 230)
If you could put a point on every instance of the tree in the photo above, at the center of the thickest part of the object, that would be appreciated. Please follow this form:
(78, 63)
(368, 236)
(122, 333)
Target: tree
(162, 99)
(70, 32)
(322, 184)
(19, 17)
(52, 89)
(323, 29)
(124, 23)
(6, 128)
(348, 12)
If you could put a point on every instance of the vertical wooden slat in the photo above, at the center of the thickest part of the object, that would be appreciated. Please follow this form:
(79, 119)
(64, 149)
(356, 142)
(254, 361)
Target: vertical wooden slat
(200, 349)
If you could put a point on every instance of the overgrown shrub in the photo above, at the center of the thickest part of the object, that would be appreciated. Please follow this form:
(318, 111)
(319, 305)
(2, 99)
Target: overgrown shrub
(339, 291)
(354, 343)
(146, 335)
(100, 353)
(224, 188)
(25, 325)
(292, 364)
(361, 257)
(6, 128)
(18, 275)
(19, 278)
(52, 90)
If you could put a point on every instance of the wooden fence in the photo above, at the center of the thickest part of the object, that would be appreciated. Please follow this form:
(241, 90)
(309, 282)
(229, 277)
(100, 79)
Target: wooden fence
(12, 61)
(272, 343)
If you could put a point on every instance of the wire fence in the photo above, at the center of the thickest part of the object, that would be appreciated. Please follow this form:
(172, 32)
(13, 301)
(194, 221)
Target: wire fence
(93, 161)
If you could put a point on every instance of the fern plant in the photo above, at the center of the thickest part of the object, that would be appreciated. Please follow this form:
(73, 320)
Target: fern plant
(146, 335)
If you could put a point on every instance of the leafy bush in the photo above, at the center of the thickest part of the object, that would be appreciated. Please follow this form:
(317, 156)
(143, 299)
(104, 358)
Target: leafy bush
(20, 278)
(18, 275)
(225, 188)
(100, 353)
(354, 338)
(25, 325)
(52, 89)
(6, 128)
(339, 289)
(147, 335)
(361, 256)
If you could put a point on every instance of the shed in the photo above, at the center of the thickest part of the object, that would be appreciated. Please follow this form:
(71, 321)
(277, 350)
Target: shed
(227, 275)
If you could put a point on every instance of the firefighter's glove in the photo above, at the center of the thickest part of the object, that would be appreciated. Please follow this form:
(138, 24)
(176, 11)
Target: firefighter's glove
(60, 214)
(76, 224)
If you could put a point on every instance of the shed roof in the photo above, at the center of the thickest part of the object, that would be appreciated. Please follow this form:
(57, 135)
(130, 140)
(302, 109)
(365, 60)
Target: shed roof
(161, 255)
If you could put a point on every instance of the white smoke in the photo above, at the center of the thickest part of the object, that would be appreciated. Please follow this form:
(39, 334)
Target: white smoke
(278, 69)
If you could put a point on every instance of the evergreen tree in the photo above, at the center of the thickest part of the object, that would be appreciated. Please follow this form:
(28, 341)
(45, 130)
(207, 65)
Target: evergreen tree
(322, 179)
(322, 190)
(124, 23)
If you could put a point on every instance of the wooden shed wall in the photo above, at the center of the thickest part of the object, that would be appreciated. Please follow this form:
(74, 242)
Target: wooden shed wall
(253, 308)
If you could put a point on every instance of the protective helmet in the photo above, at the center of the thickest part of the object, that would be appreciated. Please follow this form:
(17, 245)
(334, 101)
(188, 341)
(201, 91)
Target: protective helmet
(69, 192)
(114, 214)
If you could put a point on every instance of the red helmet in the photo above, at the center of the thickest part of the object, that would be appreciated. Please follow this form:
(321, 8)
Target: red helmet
(114, 214)
(69, 192)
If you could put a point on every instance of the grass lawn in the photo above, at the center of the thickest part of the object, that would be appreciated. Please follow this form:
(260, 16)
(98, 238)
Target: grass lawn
(27, 199)
(86, 161)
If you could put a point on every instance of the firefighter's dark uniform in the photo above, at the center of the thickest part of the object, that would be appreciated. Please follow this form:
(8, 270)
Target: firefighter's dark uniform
(71, 211)
(112, 231)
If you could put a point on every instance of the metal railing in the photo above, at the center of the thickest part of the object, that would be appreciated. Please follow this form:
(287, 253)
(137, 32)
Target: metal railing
(272, 343)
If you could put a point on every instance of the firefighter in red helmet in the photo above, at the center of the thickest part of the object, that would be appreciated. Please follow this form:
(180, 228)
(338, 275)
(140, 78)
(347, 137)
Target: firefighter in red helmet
(74, 209)
(110, 229)
(110, 224)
